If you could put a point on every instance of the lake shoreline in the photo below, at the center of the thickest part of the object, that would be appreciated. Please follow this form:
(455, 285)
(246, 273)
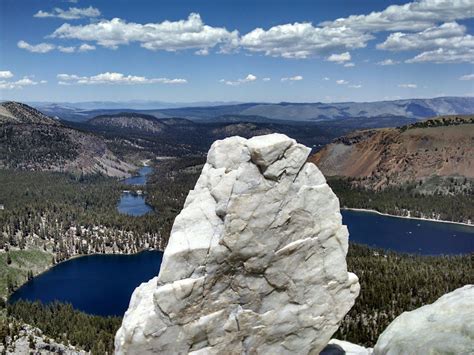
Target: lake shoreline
(132, 200)
(72, 257)
(105, 266)
(75, 256)
(406, 217)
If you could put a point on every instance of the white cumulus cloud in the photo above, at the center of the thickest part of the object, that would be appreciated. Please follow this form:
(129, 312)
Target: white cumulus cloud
(48, 47)
(170, 36)
(464, 77)
(302, 40)
(19, 84)
(427, 27)
(85, 48)
(441, 55)
(73, 13)
(386, 62)
(447, 43)
(202, 51)
(113, 78)
(6, 74)
(339, 58)
(408, 86)
(413, 16)
(249, 78)
(342, 82)
(292, 78)
(449, 34)
(66, 49)
(36, 48)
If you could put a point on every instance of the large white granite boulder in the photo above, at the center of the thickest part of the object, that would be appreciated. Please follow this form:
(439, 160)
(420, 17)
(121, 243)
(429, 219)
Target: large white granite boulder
(443, 327)
(255, 262)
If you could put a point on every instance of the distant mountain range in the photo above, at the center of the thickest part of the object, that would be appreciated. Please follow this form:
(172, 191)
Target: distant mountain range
(414, 109)
(31, 140)
(131, 105)
(181, 136)
(417, 150)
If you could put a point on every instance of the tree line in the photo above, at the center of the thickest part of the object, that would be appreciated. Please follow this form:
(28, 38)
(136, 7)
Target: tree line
(64, 324)
(392, 283)
(405, 199)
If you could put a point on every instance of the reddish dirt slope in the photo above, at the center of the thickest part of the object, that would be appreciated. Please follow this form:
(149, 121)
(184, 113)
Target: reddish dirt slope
(394, 156)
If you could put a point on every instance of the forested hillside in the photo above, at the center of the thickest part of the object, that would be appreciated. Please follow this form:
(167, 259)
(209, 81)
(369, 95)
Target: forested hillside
(29, 140)
(409, 200)
(128, 132)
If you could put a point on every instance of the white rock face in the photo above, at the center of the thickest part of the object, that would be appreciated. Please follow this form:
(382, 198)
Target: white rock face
(255, 262)
(443, 327)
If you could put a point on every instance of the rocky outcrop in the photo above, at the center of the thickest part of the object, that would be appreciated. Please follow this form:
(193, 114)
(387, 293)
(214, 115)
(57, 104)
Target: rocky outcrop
(31, 340)
(255, 262)
(444, 327)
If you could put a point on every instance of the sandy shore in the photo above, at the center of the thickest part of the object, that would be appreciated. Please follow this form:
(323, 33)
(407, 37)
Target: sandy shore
(407, 217)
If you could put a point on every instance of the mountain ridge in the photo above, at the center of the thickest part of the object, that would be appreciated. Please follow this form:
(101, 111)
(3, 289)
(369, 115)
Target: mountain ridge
(191, 137)
(317, 111)
(30, 140)
(377, 158)
(129, 120)
(17, 112)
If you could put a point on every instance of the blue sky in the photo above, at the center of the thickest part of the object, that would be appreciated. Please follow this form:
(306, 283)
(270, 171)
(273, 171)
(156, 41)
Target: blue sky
(187, 51)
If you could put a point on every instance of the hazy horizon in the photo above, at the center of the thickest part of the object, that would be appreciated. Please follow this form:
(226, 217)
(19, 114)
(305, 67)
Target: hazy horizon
(223, 103)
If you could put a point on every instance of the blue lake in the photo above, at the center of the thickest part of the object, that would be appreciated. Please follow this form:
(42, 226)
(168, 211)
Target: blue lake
(96, 284)
(139, 179)
(103, 284)
(133, 204)
(408, 235)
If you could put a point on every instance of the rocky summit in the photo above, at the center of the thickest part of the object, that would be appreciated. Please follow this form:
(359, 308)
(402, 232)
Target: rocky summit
(255, 262)
(444, 327)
